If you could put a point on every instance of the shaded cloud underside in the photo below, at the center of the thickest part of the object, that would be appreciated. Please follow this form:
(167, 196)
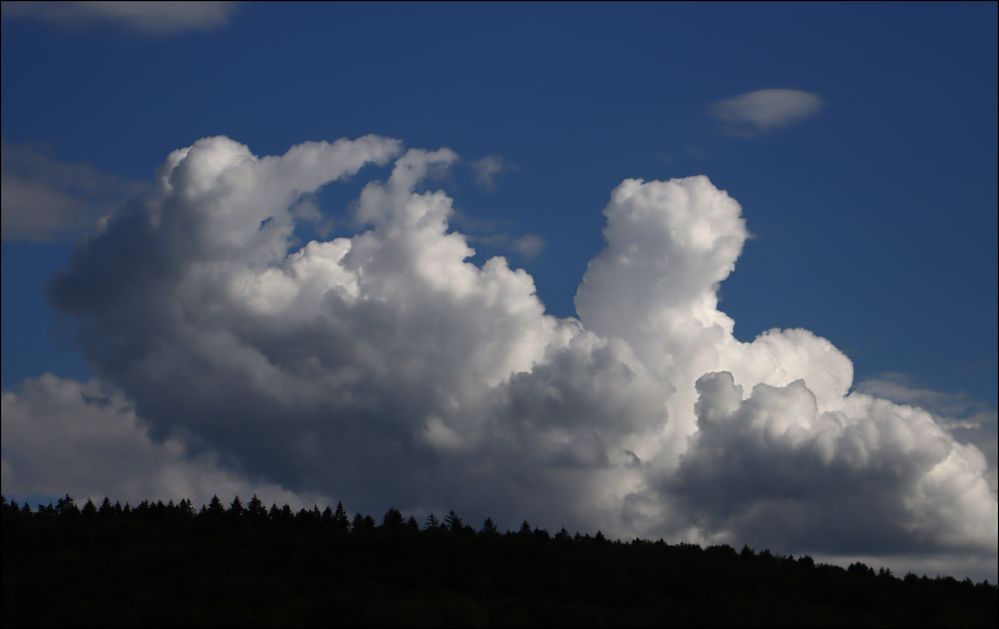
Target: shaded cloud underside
(385, 369)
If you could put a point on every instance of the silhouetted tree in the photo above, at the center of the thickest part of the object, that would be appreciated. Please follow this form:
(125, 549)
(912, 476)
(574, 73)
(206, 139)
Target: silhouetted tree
(256, 509)
(432, 523)
(66, 506)
(62, 569)
(860, 568)
(340, 519)
(393, 520)
(215, 508)
(453, 523)
(362, 524)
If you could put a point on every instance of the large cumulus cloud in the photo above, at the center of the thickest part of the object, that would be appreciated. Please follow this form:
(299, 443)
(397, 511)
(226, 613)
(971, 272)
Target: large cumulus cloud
(386, 368)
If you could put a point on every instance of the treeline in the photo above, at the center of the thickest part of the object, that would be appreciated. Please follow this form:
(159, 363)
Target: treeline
(249, 564)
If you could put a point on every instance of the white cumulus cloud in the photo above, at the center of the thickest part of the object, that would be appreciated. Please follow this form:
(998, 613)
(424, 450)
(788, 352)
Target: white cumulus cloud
(385, 368)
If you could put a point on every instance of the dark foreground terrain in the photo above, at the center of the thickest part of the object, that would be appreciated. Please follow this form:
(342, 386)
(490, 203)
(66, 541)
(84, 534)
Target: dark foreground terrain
(171, 564)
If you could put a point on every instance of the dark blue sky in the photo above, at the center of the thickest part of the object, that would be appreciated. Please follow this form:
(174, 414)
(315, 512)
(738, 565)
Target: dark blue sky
(875, 220)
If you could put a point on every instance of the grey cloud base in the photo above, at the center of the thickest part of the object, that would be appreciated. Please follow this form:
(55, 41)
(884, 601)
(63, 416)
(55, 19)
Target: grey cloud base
(385, 369)
(61, 436)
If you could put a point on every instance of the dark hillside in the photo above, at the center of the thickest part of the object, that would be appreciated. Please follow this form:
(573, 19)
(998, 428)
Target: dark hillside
(159, 564)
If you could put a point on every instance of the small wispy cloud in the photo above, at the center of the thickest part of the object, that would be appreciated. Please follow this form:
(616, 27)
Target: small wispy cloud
(488, 168)
(45, 198)
(900, 388)
(761, 111)
(148, 17)
(527, 246)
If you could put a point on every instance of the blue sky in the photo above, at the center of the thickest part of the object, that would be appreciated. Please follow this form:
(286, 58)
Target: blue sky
(870, 202)
(875, 220)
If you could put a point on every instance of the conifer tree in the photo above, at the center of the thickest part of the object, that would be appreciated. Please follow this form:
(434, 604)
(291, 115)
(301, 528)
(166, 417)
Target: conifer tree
(340, 519)
(488, 527)
(393, 520)
(215, 507)
(256, 509)
(66, 506)
(362, 523)
(453, 523)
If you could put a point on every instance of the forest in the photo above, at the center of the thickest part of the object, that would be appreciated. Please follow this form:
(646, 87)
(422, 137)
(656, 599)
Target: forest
(251, 565)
